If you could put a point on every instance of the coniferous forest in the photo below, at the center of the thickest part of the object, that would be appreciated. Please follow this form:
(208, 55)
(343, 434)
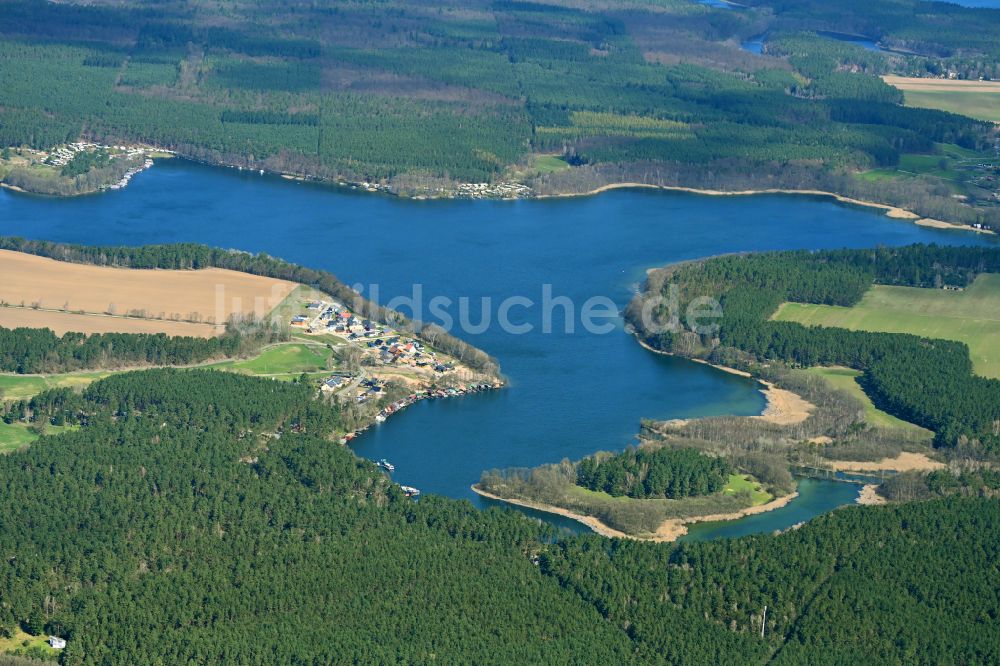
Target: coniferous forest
(421, 97)
(203, 517)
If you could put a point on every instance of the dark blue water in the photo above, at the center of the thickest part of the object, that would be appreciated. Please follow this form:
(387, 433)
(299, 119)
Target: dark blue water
(571, 393)
(754, 45)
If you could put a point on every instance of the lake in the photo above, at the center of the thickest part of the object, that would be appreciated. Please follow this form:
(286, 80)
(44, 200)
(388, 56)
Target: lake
(571, 392)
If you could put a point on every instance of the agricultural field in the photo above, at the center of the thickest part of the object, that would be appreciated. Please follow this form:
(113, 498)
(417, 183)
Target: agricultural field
(283, 361)
(976, 99)
(42, 292)
(845, 379)
(971, 316)
(64, 322)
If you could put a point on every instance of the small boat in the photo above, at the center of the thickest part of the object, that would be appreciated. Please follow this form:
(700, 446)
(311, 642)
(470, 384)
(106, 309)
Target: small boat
(409, 491)
(386, 465)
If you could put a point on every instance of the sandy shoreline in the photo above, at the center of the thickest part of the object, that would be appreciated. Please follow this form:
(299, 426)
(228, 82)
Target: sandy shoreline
(782, 407)
(868, 496)
(670, 530)
(890, 211)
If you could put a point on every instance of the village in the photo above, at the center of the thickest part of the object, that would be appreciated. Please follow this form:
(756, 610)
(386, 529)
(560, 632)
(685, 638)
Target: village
(53, 162)
(391, 371)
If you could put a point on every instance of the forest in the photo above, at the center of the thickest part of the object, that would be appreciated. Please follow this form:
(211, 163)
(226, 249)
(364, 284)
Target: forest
(923, 381)
(422, 97)
(203, 517)
(641, 474)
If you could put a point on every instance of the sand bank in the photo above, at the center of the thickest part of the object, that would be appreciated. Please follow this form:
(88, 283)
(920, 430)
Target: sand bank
(868, 496)
(783, 407)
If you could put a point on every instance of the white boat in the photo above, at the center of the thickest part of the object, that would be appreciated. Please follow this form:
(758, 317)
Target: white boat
(409, 491)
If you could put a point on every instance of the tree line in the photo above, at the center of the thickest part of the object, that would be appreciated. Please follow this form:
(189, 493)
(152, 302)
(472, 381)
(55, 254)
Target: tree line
(927, 382)
(665, 472)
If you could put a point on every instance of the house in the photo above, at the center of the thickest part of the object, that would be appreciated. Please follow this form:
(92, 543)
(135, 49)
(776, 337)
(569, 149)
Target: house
(333, 383)
(57, 643)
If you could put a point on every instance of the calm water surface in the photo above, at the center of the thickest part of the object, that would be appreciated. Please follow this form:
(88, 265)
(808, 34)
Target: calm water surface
(571, 393)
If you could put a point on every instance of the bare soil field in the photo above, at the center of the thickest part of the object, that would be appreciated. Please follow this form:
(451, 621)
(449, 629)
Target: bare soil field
(179, 302)
(65, 322)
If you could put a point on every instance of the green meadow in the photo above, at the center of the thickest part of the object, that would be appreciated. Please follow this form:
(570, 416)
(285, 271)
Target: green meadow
(971, 316)
(845, 379)
(984, 105)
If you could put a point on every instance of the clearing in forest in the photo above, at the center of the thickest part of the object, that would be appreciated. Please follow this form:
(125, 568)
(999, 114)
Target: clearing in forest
(971, 316)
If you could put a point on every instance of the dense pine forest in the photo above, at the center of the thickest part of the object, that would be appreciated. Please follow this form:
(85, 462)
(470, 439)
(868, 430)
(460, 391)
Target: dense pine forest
(420, 97)
(927, 382)
(668, 473)
(203, 517)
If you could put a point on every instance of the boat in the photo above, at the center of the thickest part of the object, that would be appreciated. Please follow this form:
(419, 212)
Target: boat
(386, 465)
(409, 491)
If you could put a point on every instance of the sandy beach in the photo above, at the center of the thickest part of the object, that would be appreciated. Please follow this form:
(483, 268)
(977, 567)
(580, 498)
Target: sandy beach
(868, 496)
(782, 408)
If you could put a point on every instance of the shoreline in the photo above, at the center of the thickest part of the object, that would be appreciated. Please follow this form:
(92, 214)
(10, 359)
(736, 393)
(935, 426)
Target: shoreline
(782, 407)
(891, 211)
(669, 530)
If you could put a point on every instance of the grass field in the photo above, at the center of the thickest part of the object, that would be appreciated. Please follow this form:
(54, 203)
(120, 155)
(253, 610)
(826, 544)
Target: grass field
(845, 379)
(971, 316)
(288, 359)
(21, 387)
(549, 164)
(22, 641)
(976, 99)
(61, 289)
(746, 483)
(14, 436)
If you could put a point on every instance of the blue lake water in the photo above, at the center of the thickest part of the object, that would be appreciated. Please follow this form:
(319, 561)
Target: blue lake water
(571, 393)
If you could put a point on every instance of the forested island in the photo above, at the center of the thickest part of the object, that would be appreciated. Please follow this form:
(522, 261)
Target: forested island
(514, 99)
